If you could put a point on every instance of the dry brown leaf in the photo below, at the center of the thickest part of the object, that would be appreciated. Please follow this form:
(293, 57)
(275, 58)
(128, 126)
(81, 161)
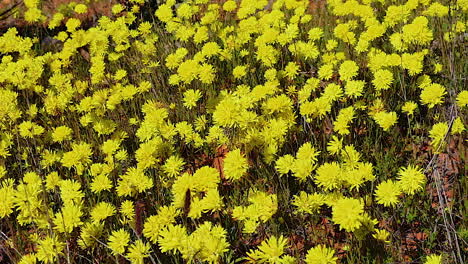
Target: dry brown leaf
(218, 161)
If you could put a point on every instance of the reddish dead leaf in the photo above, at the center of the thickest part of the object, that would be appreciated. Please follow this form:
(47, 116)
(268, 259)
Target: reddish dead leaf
(327, 226)
(420, 236)
(412, 240)
(315, 5)
(85, 54)
(360, 130)
(254, 241)
(384, 224)
(297, 243)
(448, 163)
(222, 150)
(187, 202)
(339, 249)
(218, 161)
(215, 215)
(446, 169)
(202, 160)
(327, 126)
(449, 194)
(4, 3)
(139, 209)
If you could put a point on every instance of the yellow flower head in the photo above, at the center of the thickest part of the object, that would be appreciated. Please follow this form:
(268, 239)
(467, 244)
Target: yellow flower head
(102, 211)
(387, 193)
(433, 259)
(348, 213)
(411, 179)
(382, 235)
(118, 241)
(329, 176)
(433, 95)
(382, 79)
(269, 251)
(61, 134)
(348, 70)
(191, 97)
(462, 99)
(235, 165)
(438, 134)
(354, 88)
(230, 5)
(49, 249)
(72, 24)
(308, 203)
(385, 119)
(81, 8)
(29, 129)
(409, 107)
(457, 127)
(239, 71)
(138, 251)
(320, 254)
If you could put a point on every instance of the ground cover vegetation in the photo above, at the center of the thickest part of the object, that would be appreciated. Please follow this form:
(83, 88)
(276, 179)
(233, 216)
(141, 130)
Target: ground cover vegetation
(250, 131)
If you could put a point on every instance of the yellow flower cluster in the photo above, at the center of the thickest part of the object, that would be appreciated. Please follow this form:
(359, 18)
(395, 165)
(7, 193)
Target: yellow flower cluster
(207, 243)
(302, 165)
(198, 191)
(128, 133)
(262, 207)
(235, 165)
(270, 251)
(351, 172)
(410, 180)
